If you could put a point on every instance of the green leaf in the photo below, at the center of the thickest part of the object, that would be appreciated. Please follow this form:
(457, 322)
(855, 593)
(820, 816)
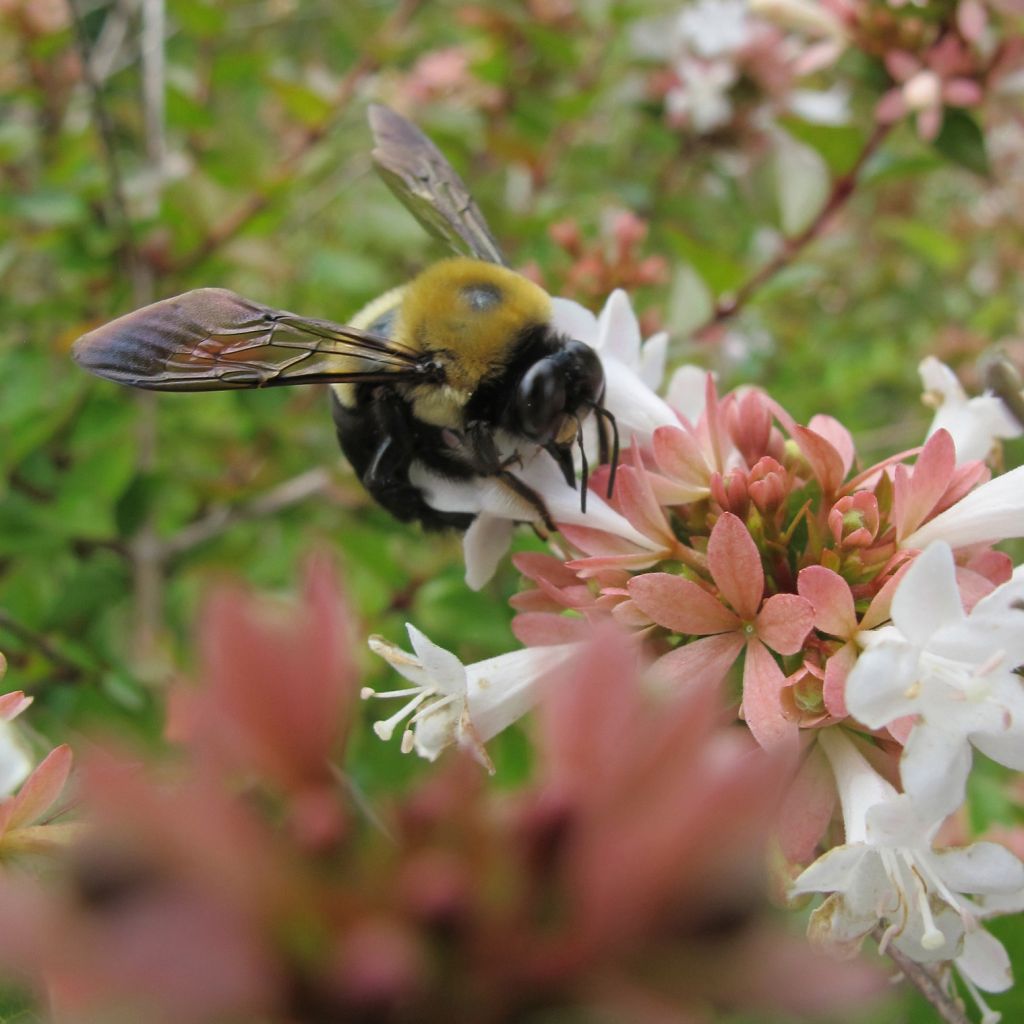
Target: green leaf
(930, 243)
(962, 141)
(838, 144)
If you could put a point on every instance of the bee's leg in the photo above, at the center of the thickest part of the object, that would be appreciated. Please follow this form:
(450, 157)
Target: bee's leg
(487, 461)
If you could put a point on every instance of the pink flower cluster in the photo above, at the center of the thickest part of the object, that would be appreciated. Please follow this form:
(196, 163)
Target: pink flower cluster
(757, 543)
(251, 879)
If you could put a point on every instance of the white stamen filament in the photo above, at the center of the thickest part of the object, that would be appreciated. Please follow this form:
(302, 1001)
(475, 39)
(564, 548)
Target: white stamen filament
(386, 728)
(367, 692)
(988, 1015)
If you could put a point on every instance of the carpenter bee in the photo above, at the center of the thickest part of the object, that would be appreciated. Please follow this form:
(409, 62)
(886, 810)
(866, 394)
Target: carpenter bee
(433, 372)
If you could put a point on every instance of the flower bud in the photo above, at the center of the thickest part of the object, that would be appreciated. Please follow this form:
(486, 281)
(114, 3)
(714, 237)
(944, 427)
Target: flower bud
(853, 520)
(730, 492)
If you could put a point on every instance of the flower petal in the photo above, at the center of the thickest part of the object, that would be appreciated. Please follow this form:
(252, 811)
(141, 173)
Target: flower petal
(934, 767)
(484, 545)
(680, 605)
(927, 598)
(807, 808)
(981, 868)
(876, 687)
(994, 511)
(830, 594)
(446, 672)
(701, 663)
(784, 622)
(42, 788)
(763, 681)
(985, 962)
(735, 566)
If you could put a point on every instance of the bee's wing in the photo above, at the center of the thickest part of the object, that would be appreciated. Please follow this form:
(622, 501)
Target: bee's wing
(417, 172)
(211, 339)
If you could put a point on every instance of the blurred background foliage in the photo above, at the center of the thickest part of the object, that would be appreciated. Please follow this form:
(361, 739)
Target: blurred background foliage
(225, 143)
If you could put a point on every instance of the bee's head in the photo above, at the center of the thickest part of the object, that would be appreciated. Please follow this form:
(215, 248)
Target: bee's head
(552, 396)
(552, 393)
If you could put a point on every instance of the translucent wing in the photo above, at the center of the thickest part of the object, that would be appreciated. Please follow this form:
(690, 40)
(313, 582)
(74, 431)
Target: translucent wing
(416, 171)
(211, 339)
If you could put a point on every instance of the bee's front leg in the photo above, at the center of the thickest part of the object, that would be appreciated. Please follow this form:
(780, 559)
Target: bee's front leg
(483, 455)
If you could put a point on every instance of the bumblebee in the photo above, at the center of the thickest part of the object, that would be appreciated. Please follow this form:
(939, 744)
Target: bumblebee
(431, 372)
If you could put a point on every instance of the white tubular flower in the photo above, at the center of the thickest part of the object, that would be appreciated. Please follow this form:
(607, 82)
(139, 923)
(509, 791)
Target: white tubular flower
(454, 703)
(954, 672)
(498, 508)
(888, 873)
(975, 424)
(633, 369)
(992, 512)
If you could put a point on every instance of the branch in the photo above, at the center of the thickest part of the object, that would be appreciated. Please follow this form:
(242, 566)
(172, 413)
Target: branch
(925, 981)
(28, 636)
(842, 189)
(234, 222)
(291, 492)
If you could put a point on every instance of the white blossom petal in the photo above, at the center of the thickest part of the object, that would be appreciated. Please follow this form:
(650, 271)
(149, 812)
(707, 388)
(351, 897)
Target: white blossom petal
(484, 545)
(574, 321)
(981, 868)
(992, 512)
(927, 598)
(15, 763)
(975, 424)
(985, 962)
(877, 686)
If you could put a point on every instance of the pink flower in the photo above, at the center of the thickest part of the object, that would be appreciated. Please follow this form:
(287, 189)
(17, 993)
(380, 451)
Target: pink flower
(26, 819)
(925, 87)
(278, 695)
(738, 619)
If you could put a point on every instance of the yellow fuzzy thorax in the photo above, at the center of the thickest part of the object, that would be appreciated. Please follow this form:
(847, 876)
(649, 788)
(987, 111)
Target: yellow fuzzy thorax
(438, 315)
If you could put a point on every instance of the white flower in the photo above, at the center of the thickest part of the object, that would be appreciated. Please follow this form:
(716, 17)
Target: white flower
(829, 106)
(454, 703)
(633, 369)
(702, 96)
(15, 762)
(498, 507)
(975, 424)
(953, 671)
(992, 512)
(887, 872)
(714, 28)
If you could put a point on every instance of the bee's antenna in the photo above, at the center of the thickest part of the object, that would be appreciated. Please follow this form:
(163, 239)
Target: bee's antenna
(603, 414)
(586, 466)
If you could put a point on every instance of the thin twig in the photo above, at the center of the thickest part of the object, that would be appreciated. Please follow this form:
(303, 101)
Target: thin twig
(39, 643)
(284, 495)
(842, 189)
(147, 561)
(118, 204)
(928, 984)
(153, 87)
(224, 230)
(111, 39)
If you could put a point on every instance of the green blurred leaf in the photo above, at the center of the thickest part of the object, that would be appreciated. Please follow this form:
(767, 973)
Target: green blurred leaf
(962, 141)
(937, 247)
(839, 145)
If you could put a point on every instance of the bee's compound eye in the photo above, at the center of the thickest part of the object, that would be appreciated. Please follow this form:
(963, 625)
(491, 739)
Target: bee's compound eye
(587, 370)
(541, 400)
